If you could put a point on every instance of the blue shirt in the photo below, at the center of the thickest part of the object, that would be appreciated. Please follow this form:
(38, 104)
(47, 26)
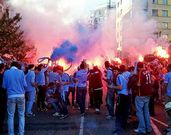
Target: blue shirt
(81, 75)
(65, 78)
(109, 77)
(122, 80)
(53, 77)
(49, 96)
(167, 80)
(40, 77)
(30, 79)
(72, 83)
(14, 82)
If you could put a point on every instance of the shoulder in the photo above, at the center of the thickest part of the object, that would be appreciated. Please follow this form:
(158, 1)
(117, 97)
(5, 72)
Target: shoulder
(66, 75)
(7, 71)
(119, 76)
(109, 71)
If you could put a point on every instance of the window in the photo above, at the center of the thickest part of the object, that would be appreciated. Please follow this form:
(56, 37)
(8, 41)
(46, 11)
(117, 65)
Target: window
(165, 13)
(154, 12)
(154, 1)
(164, 25)
(164, 2)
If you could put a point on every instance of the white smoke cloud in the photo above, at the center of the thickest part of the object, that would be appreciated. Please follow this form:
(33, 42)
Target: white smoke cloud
(138, 31)
(48, 23)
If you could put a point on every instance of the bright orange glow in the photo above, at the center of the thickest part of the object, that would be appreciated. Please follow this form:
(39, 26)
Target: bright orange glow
(141, 58)
(97, 62)
(161, 52)
(118, 60)
(62, 63)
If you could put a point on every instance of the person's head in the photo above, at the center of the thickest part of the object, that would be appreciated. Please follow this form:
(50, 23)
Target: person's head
(131, 69)
(37, 70)
(107, 64)
(59, 69)
(95, 68)
(40, 66)
(169, 68)
(2, 67)
(122, 68)
(54, 69)
(15, 64)
(82, 65)
(31, 67)
(115, 70)
(140, 66)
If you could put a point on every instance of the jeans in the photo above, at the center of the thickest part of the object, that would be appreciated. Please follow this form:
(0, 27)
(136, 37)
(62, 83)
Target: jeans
(62, 106)
(30, 101)
(122, 112)
(81, 98)
(11, 105)
(72, 91)
(55, 106)
(142, 111)
(110, 101)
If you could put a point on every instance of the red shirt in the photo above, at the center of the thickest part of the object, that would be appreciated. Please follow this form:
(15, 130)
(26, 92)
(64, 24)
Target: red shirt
(145, 88)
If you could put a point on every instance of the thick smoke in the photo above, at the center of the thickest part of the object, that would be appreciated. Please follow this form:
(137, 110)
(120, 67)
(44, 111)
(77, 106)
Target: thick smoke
(50, 23)
(138, 31)
(67, 50)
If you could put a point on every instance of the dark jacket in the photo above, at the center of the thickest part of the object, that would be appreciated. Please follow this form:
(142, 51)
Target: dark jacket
(95, 80)
(145, 88)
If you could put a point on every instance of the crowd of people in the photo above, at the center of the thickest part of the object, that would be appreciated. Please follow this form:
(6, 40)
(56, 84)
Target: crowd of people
(129, 90)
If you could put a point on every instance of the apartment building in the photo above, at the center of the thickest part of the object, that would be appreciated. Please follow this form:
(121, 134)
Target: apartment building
(160, 10)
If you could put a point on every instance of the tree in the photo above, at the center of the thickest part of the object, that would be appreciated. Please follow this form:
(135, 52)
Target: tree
(12, 40)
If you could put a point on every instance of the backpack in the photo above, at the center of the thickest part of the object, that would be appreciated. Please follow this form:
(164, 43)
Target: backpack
(132, 83)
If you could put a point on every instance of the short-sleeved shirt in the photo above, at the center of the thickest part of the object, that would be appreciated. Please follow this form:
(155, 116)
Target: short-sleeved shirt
(40, 77)
(167, 80)
(122, 80)
(53, 77)
(30, 79)
(81, 75)
(72, 82)
(50, 92)
(109, 76)
(14, 82)
(65, 78)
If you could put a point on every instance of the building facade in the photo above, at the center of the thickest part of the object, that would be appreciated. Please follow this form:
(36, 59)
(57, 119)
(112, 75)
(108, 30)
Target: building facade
(100, 13)
(160, 10)
(123, 8)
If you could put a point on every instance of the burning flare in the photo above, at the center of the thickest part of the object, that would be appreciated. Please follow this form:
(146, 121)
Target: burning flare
(141, 58)
(118, 60)
(161, 52)
(62, 63)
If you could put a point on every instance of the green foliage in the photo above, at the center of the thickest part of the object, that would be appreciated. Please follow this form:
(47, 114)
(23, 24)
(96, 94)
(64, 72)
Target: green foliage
(12, 40)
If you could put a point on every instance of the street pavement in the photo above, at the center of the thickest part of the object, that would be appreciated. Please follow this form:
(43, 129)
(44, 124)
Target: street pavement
(91, 124)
